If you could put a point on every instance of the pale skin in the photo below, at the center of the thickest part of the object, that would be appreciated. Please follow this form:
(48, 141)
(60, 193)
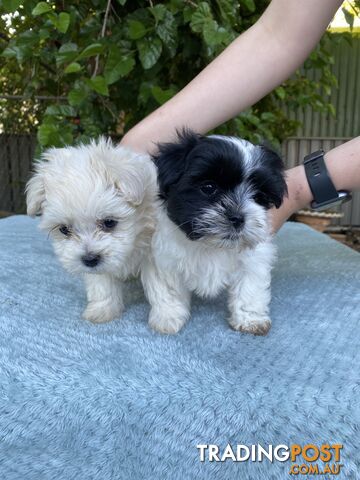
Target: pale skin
(258, 61)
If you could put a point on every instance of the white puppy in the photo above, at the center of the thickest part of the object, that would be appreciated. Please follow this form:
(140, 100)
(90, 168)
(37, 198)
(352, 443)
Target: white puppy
(96, 201)
(212, 230)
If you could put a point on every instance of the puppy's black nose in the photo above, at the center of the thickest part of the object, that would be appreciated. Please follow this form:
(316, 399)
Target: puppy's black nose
(91, 259)
(237, 220)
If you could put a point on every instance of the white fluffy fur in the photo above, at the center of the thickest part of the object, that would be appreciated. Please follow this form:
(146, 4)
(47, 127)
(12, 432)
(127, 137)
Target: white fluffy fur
(80, 186)
(179, 266)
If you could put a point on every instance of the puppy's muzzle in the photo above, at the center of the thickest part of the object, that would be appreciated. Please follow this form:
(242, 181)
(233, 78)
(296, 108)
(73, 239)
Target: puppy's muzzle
(91, 260)
(237, 220)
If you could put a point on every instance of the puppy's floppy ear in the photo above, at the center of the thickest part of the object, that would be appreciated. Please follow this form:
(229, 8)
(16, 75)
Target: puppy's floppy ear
(171, 159)
(35, 192)
(133, 174)
(269, 179)
(35, 187)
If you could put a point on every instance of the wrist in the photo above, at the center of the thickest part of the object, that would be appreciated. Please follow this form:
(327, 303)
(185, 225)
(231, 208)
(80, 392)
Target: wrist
(300, 194)
(343, 166)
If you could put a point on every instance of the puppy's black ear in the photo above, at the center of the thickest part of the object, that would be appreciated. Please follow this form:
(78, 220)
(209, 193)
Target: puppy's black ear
(171, 159)
(269, 179)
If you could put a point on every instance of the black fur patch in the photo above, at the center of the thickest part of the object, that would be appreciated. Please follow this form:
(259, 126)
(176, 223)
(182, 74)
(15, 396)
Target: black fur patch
(269, 180)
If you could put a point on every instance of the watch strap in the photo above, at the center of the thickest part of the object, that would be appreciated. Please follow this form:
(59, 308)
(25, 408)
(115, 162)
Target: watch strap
(321, 185)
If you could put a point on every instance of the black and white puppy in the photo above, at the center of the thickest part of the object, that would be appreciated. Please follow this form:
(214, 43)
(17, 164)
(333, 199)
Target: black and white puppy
(213, 230)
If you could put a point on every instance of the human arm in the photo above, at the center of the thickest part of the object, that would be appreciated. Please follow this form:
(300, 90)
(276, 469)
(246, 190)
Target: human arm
(343, 164)
(249, 68)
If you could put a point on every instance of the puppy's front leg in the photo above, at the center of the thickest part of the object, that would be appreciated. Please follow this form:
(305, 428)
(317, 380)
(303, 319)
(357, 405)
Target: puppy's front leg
(250, 296)
(104, 295)
(168, 298)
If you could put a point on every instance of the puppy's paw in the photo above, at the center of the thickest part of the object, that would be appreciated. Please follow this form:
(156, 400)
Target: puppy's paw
(102, 312)
(166, 322)
(250, 322)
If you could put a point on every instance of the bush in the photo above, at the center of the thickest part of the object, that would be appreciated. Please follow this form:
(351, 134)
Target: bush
(101, 66)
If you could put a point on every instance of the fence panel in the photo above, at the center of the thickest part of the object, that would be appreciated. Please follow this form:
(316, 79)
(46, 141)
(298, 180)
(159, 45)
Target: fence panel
(16, 157)
(6, 194)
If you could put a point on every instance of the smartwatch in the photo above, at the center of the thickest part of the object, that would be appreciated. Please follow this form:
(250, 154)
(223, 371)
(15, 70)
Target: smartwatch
(320, 183)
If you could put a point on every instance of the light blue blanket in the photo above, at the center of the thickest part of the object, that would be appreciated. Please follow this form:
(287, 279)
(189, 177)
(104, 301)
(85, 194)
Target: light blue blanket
(118, 401)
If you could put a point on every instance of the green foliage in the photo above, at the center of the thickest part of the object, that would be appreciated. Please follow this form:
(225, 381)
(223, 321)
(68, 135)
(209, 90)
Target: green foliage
(102, 72)
(351, 9)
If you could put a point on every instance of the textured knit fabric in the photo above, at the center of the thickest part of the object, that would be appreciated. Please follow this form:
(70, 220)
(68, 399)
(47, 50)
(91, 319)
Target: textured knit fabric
(119, 401)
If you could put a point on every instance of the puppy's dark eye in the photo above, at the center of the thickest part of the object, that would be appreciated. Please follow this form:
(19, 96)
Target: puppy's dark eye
(208, 188)
(108, 224)
(65, 230)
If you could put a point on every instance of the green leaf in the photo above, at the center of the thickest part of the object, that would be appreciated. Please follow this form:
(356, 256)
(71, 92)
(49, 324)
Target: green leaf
(99, 85)
(50, 134)
(200, 17)
(144, 93)
(41, 8)
(73, 68)
(167, 31)
(162, 96)
(29, 38)
(281, 92)
(46, 133)
(63, 22)
(214, 34)
(91, 51)
(122, 2)
(20, 52)
(77, 96)
(159, 12)
(136, 29)
(249, 4)
(118, 65)
(66, 53)
(268, 117)
(10, 51)
(349, 17)
(332, 110)
(229, 11)
(60, 110)
(44, 34)
(11, 6)
(149, 49)
(188, 13)
(253, 119)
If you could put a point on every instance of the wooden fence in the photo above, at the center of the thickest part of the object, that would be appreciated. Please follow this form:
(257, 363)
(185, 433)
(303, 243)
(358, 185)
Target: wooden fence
(17, 153)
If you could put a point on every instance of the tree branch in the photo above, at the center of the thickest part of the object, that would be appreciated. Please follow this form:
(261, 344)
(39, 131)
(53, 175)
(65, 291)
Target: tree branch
(35, 97)
(103, 30)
